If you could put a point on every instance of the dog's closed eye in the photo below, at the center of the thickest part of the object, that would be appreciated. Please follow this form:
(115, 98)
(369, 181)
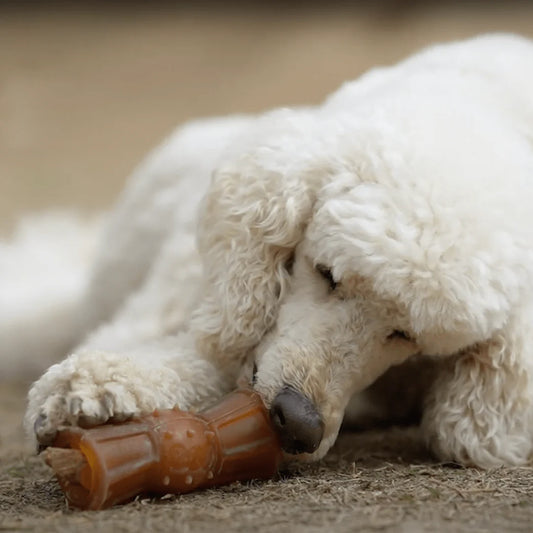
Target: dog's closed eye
(399, 334)
(325, 272)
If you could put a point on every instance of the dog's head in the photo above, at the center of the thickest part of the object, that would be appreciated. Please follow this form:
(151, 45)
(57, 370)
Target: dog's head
(329, 272)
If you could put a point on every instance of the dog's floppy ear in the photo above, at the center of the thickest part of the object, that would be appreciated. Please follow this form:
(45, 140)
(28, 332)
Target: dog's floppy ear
(479, 408)
(252, 218)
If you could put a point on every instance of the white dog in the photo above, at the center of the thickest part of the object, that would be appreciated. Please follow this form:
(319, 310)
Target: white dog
(332, 243)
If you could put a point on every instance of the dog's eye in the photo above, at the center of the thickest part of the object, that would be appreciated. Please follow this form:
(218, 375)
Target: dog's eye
(325, 272)
(399, 334)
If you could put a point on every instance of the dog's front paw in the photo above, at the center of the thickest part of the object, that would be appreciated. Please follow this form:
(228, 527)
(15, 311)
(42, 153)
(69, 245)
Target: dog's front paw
(93, 387)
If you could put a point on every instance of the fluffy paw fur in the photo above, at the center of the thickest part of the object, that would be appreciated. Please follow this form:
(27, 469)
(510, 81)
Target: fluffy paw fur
(91, 388)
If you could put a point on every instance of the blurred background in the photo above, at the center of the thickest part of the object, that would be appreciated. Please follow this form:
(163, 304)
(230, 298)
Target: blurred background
(86, 88)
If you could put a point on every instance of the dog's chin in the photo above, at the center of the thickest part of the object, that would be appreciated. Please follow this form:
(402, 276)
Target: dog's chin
(319, 453)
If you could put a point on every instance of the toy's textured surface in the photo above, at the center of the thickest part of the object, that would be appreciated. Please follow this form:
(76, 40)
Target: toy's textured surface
(166, 452)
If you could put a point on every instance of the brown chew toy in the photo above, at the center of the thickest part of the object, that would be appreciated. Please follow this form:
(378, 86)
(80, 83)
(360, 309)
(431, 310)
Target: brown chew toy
(170, 451)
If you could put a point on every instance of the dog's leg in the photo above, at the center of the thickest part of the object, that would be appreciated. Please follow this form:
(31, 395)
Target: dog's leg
(142, 360)
(145, 283)
(479, 411)
(92, 386)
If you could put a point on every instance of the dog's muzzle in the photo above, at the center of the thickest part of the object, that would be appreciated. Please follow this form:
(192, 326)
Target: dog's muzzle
(298, 423)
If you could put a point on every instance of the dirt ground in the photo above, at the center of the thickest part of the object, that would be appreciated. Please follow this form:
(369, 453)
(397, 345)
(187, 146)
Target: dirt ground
(372, 481)
(84, 94)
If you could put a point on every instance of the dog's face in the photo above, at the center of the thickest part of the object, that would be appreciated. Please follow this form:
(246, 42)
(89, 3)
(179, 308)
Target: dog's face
(365, 294)
(333, 337)
(335, 334)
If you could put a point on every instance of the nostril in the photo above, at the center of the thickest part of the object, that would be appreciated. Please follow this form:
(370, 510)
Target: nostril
(298, 446)
(277, 417)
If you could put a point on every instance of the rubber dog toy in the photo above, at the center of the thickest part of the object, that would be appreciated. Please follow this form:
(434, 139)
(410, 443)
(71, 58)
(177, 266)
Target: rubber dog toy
(170, 451)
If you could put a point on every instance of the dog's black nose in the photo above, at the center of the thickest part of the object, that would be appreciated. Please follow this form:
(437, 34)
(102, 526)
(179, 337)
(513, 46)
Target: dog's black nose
(297, 421)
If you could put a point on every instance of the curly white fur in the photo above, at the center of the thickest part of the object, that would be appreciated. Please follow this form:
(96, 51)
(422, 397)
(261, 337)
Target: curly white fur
(413, 185)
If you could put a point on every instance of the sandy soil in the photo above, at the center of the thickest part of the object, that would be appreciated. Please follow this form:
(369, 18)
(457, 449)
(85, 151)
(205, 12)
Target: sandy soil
(83, 95)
